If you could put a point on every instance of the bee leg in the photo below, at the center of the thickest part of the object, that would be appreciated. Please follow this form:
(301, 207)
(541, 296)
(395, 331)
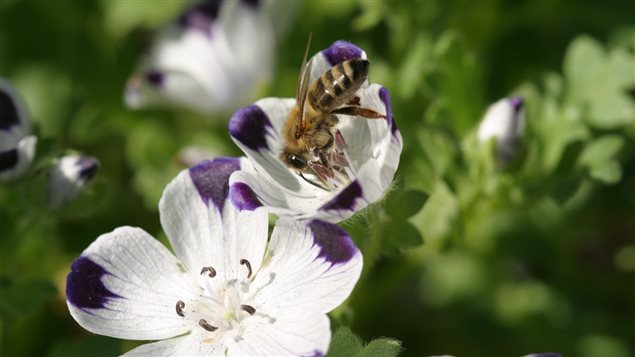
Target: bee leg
(320, 154)
(339, 140)
(312, 182)
(342, 157)
(355, 101)
(359, 111)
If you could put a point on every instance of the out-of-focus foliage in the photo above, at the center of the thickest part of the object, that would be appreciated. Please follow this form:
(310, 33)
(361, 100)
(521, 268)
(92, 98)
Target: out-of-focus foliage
(538, 255)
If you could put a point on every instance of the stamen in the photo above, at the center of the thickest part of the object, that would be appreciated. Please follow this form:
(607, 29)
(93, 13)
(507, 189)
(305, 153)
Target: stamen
(248, 308)
(204, 324)
(180, 305)
(246, 262)
(211, 271)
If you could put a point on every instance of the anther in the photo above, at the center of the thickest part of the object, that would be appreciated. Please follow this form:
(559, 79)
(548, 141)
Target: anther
(248, 308)
(204, 324)
(211, 272)
(246, 262)
(180, 305)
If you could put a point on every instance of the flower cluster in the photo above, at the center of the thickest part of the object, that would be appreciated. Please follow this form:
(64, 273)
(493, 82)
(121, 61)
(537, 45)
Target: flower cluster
(229, 288)
(67, 175)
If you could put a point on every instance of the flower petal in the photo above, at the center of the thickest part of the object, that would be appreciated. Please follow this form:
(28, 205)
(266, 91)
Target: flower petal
(14, 162)
(187, 345)
(12, 112)
(204, 227)
(297, 333)
(211, 62)
(312, 267)
(126, 285)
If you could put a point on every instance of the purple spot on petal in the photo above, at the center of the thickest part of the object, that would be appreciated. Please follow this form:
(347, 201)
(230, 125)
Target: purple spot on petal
(88, 167)
(517, 103)
(8, 159)
(253, 3)
(249, 126)
(385, 97)
(345, 200)
(201, 16)
(243, 197)
(341, 51)
(155, 78)
(211, 179)
(9, 114)
(316, 353)
(336, 246)
(84, 287)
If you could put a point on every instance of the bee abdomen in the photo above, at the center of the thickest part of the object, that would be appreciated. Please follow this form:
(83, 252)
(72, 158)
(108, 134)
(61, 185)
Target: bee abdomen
(338, 84)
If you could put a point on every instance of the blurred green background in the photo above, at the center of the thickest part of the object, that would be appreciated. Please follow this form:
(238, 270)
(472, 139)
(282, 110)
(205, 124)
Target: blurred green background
(464, 257)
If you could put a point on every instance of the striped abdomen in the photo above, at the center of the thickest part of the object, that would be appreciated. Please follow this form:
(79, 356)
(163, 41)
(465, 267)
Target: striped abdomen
(337, 85)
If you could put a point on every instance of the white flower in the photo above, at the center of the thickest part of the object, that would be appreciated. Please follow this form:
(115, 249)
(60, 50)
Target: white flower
(228, 291)
(68, 177)
(505, 121)
(212, 60)
(370, 148)
(17, 145)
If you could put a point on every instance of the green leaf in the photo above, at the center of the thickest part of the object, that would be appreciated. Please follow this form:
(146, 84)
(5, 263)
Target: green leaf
(399, 235)
(601, 149)
(608, 172)
(598, 80)
(404, 204)
(385, 347)
(344, 343)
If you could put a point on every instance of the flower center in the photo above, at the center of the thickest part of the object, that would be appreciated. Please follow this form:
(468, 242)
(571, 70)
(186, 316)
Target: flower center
(332, 167)
(221, 308)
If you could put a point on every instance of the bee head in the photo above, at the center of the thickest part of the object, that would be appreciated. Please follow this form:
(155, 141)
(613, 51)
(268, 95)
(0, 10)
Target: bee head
(295, 161)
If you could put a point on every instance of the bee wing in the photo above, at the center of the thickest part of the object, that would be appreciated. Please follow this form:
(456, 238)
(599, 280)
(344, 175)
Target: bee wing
(302, 88)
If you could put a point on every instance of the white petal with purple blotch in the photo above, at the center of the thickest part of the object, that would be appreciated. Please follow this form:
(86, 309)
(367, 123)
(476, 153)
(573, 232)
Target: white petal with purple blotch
(312, 265)
(17, 145)
(373, 146)
(250, 297)
(68, 177)
(203, 226)
(211, 61)
(504, 121)
(126, 285)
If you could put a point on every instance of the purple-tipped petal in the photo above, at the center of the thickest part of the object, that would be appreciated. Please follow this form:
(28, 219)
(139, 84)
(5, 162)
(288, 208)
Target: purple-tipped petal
(211, 179)
(243, 197)
(84, 288)
(345, 200)
(155, 77)
(517, 103)
(341, 51)
(8, 159)
(385, 97)
(201, 16)
(88, 167)
(9, 114)
(249, 125)
(336, 246)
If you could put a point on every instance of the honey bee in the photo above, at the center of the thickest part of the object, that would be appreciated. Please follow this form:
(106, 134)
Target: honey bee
(312, 144)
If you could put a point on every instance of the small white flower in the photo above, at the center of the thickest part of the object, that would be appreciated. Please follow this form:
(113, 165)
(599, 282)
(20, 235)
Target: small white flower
(212, 60)
(371, 147)
(505, 121)
(17, 145)
(228, 291)
(68, 177)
